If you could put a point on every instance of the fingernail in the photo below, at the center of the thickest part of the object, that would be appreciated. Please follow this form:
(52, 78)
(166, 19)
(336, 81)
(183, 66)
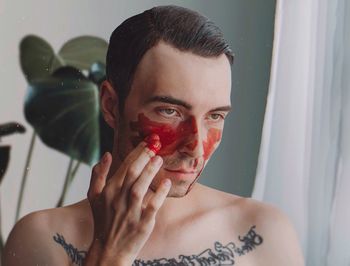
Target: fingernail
(167, 182)
(104, 158)
(157, 160)
(155, 147)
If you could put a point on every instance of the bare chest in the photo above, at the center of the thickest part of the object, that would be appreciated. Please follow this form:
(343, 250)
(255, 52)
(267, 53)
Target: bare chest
(203, 242)
(210, 243)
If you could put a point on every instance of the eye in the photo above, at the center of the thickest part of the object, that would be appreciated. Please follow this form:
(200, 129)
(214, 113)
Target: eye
(169, 112)
(217, 117)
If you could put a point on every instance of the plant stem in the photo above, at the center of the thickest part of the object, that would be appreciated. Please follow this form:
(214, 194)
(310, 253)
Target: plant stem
(66, 183)
(1, 247)
(1, 239)
(75, 169)
(25, 174)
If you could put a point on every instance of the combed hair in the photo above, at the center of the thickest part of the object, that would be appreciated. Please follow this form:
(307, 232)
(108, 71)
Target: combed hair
(184, 29)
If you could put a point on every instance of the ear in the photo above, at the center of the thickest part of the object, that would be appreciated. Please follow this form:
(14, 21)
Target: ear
(109, 104)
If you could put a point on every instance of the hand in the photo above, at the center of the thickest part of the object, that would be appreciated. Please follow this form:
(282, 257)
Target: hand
(121, 225)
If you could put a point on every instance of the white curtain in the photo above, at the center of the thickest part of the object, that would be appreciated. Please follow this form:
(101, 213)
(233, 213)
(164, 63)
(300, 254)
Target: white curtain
(304, 161)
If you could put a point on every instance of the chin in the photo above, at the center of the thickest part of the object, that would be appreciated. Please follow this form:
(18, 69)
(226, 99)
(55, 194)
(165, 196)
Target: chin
(175, 191)
(178, 193)
(181, 185)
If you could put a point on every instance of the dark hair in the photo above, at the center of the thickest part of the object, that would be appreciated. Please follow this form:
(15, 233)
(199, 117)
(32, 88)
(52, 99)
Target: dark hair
(180, 27)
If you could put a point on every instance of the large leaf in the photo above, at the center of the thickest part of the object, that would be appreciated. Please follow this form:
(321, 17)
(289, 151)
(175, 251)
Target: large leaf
(37, 58)
(82, 52)
(97, 74)
(64, 111)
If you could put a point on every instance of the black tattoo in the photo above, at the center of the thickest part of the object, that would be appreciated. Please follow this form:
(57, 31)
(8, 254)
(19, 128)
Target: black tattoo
(250, 240)
(223, 255)
(75, 255)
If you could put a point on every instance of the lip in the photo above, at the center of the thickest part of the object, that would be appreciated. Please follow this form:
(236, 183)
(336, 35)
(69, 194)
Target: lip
(181, 171)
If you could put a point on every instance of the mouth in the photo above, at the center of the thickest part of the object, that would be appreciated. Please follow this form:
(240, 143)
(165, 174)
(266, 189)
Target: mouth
(181, 171)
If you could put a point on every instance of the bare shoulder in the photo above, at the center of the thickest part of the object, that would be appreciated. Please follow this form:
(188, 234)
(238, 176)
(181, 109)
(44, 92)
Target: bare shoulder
(265, 232)
(40, 238)
(279, 235)
(30, 242)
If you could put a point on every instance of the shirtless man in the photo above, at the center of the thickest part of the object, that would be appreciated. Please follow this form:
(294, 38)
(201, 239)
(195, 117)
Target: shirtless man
(166, 95)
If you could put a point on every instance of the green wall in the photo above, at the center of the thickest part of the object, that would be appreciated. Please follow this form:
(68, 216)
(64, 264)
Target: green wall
(248, 26)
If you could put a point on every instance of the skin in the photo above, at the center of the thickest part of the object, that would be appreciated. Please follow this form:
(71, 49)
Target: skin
(171, 137)
(202, 118)
(130, 213)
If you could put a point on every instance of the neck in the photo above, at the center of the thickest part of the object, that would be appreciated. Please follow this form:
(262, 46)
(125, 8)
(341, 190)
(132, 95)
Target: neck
(174, 209)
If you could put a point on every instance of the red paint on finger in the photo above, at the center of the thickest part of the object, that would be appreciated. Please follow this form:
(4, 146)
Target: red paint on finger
(153, 143)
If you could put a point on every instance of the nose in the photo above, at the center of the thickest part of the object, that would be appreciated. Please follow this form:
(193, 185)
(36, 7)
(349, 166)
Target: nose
(192, 144)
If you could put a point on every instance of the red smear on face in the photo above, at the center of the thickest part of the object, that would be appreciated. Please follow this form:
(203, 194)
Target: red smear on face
(214, 135)
(170, 136)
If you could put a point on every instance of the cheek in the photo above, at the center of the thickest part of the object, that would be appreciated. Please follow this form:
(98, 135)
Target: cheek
(170, 136)
(214, 136)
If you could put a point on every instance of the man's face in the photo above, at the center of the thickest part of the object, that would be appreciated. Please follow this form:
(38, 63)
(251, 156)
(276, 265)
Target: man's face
(183, 98)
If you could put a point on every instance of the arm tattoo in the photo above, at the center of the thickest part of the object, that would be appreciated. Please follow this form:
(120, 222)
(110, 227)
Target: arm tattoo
(223, 255)
(74, 254)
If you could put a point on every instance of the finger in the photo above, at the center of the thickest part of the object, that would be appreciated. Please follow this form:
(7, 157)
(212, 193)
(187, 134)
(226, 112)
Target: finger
(120, 173)
(153, 144)
(141, 185)
(98, 176)
(156, 201)
(136, 167)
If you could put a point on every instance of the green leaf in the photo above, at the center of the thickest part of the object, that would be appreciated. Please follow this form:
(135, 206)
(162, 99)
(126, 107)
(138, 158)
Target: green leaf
(64, 111)
(36, 58)
(82, 52)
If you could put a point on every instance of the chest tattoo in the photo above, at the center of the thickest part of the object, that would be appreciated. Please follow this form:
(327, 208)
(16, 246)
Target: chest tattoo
(221, 255)
(76, 256)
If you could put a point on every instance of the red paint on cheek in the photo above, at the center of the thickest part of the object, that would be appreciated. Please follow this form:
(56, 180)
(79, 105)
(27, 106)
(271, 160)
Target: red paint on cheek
(170, 136)
(214, 135)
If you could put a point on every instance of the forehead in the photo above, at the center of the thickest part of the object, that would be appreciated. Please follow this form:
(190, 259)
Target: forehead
(167, 71)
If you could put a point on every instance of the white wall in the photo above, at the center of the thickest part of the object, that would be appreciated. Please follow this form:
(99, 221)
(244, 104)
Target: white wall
(247, 26)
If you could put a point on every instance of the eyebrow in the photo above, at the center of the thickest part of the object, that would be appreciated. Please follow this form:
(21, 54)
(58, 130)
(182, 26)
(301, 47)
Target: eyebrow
(171, 100)
(226, 108)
